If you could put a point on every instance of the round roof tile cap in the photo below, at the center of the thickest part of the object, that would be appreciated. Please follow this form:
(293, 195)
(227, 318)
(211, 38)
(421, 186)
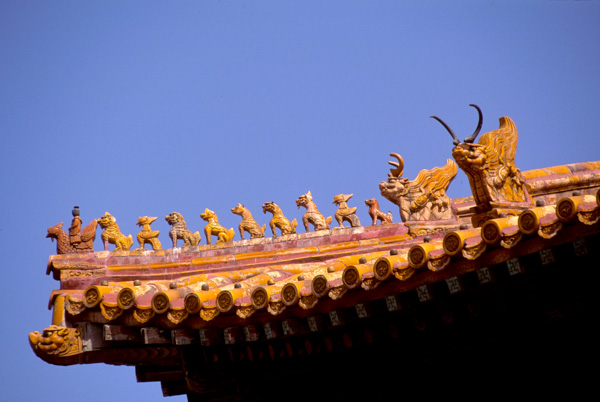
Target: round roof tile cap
(576, 193)
(464, 226)
(104, 283)
(271, 282)
(427, 239)
(205, 287)
(330, 269)
(393, 252)
(137, 282)
(237, 285)
(300, 277)
(362, 260)
(172, 285)
(540, 203)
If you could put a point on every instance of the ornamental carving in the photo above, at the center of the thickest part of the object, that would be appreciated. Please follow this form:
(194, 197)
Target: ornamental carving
(312, 214)
(421, 199)
(345, 213)
(147, 235)
(490, 164)
(279, 220)
(248, 223)
(214, 229)
(77, 240)
(180, 230)
(376, 214)
(112, 234)
(56, 343)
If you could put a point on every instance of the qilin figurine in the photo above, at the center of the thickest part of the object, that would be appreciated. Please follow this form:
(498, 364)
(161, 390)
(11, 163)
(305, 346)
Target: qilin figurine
(214, 229)
(180, 230)
(112, 233)
(279, 221)
(376, 213)
(147, 235)
(312, 214)
(345, 213)
(77, 240)
(248, 223)
(421, 199)
(490, 164)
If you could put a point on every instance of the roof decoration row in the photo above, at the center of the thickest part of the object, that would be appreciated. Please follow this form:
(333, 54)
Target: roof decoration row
(211, 285)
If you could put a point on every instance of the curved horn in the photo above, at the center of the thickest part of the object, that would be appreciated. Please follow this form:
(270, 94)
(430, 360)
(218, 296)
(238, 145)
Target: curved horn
(456, 140)
(399, 166)
(469, 140)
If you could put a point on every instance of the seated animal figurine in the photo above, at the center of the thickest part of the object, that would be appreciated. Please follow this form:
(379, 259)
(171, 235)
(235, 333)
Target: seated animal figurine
(147, 235)
(180, 231)
(279, 221)
(248, 223)
(214, 229)
(376, 213)
(345, 213)
(112, 233)
(312, 214)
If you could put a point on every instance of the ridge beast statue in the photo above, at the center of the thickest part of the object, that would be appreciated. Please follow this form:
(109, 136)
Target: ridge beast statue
(147, 235)
(376, 213)
(77, 240)
(180, 230)
(248, 223)
(312, 214)
(214, 229)
(279, 220)
(490, 165)
(112, 233)
(345, 213)
(421, 199)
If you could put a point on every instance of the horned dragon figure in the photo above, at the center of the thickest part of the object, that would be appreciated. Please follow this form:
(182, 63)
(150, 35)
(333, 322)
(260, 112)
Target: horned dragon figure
(490, 164)
(421, 199)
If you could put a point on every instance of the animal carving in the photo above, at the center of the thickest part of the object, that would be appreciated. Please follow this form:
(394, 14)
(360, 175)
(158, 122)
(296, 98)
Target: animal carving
(279, 221)
(112, 233)
(312, 214)
(421, 199)
(64, 244)
(147, 235)
(376, 213)
(214, 229)
(490, 164)
(248, 223)
(180, 230)
(345, 213)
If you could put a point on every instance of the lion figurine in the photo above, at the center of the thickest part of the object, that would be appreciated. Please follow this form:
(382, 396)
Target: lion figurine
(180, 230)
(112, 233)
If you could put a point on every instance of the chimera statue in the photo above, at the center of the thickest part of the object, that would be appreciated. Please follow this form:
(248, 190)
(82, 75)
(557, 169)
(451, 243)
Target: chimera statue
(248, 223)
(279, 221)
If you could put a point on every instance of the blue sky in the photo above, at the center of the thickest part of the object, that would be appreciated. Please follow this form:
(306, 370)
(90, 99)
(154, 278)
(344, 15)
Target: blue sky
(144, 108)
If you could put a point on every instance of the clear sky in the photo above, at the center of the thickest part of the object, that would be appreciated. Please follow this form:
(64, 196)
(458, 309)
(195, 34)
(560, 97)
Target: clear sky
(144, 108)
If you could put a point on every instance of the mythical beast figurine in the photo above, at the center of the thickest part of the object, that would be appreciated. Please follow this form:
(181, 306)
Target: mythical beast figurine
(180, 230)
(214, 229)
(147, 235)
(376, 213)
(490, 165)
(344, 212)
(424, 198)
(279, 220)
(112, 233)
(312, 214)
(248, 223)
